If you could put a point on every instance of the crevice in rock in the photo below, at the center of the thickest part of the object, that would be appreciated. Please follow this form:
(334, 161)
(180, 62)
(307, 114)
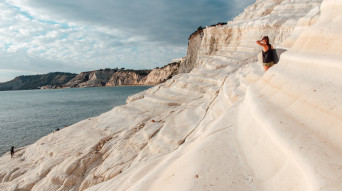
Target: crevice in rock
(206, 112)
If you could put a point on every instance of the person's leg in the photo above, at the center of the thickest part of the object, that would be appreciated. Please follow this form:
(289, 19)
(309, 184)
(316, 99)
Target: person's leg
(266, 68)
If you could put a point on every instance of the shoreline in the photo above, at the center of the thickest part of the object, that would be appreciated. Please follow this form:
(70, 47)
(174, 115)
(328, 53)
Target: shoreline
(227, 124)
(54, 109)
(81, 87)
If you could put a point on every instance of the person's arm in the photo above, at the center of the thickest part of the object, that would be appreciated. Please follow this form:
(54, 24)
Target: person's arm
(259, 42)
(264, 46)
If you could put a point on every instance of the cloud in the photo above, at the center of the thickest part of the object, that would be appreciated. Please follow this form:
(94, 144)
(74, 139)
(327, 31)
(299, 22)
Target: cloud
(158, 20)
(74, 36)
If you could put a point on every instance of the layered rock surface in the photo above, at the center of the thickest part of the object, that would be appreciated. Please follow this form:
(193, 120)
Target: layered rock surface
(97, 78)
(112, 77)
(90, 79)
(159, 75)
(296, 112)
(226, 125)
(108, 77)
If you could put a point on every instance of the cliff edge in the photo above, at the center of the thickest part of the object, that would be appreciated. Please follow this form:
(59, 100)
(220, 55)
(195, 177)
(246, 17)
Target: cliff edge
(226, 125)
(97, 78)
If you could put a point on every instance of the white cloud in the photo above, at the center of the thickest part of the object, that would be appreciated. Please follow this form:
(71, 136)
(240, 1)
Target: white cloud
(74, 36)
(81, 47)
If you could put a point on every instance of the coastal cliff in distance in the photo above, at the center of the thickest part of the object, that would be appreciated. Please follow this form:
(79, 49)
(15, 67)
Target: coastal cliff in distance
(159, 75)
(51, 80)
(98, 78)
(225, 125)
(107, 77)
(122, 77)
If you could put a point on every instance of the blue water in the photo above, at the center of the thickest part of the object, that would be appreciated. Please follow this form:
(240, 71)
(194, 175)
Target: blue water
(27, 115)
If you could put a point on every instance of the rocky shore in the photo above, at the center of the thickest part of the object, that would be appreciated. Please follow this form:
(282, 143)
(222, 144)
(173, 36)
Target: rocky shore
(224, 125)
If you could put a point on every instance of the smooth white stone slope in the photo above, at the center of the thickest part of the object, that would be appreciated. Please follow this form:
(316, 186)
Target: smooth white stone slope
(295, 112)
(201, 131)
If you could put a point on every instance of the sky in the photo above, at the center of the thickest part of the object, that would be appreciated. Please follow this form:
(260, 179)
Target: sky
(41, 36)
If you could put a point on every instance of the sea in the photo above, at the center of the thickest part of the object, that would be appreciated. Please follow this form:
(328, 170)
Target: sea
(28, 115)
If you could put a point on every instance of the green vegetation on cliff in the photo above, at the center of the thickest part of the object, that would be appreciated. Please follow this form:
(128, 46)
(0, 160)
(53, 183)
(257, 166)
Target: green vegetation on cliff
(54, 79)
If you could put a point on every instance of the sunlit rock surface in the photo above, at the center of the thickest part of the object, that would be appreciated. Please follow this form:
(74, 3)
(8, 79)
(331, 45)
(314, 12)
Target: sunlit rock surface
(159, 75)
(226, 125)
(124, 77)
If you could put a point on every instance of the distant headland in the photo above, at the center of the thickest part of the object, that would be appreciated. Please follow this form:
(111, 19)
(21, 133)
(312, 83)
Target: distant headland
(98, 78)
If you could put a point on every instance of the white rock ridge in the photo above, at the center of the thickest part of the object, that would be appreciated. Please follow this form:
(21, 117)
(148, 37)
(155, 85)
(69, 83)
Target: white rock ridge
(159, 75)
(226, 125)
(295, 111)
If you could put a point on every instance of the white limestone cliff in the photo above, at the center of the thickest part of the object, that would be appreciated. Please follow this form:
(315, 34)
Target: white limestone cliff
(159, 75)
(296, 111)
(114, 77)
(124, 78)
(226, 125)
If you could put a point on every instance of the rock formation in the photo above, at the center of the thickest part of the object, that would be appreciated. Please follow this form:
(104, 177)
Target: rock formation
(296, 112)
(194, 45)
(52, 80)
(226, 125)
(115, 77)
(126, 78)
(159, 75)
(97, 78)
(109, 77)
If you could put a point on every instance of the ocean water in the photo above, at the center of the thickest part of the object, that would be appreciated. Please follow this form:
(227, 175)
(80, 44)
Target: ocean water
(28, 115)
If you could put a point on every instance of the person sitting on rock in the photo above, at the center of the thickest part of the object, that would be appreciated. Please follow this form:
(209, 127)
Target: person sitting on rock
(267, 54)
